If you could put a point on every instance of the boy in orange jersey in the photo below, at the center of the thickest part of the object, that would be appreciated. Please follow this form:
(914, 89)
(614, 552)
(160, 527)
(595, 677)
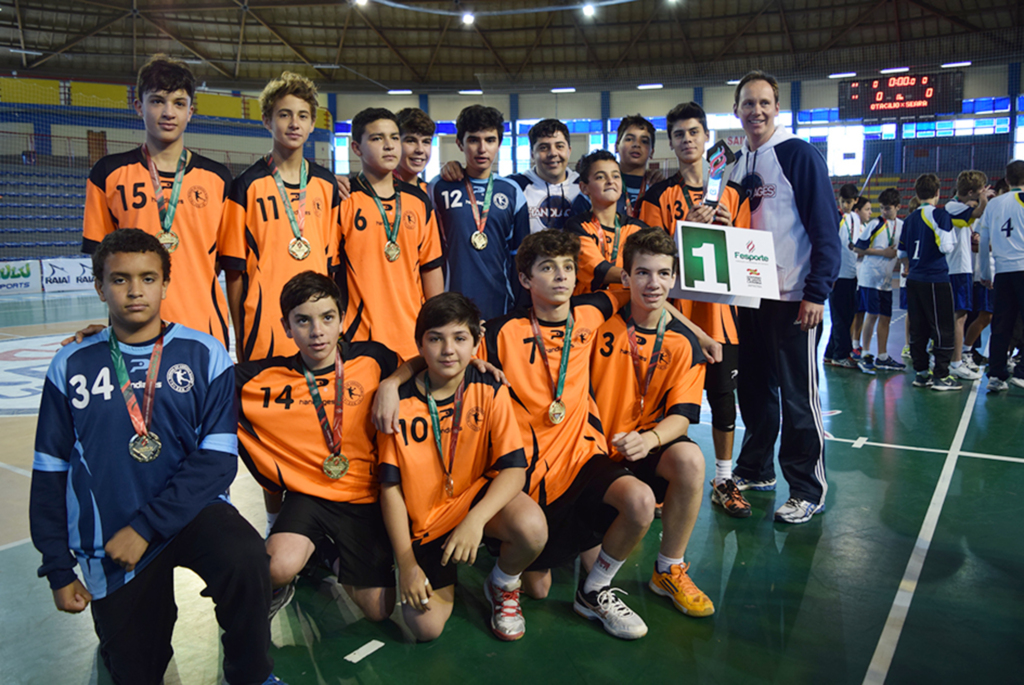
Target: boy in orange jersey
(167, 191)
(304, 428)
(648, 376)
(680, 198)
(390, 246)
(545, 353)
(281, 219)
(602, 229)
(441, 497)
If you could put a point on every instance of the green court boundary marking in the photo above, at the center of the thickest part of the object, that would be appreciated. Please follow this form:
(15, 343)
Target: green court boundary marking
(881, 660)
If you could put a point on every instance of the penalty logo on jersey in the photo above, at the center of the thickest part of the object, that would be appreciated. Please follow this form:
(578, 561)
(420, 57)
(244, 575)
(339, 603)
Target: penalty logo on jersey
(180, 378)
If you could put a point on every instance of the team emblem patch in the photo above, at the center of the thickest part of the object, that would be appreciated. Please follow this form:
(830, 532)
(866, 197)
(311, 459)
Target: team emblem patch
(354, 393)
(198, 197)
(501, 200)
(180, 378)
(475, 418)
(318, 207)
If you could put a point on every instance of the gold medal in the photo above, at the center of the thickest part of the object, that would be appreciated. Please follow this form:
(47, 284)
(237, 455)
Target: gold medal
(556, 412)
(299, 248)
(169, 239)
(449, 486)
(144, 448)
(336, 466)
(478, 240)
(392, 251)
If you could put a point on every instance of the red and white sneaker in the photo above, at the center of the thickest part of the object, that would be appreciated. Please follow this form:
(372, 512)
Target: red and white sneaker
(507, 621)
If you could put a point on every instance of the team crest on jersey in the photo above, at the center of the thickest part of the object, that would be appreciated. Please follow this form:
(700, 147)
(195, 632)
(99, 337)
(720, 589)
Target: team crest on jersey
(501, 200)
(354, 393)
(409, 220)
(197, 196)
(581, 336)
(757, 190)
(318, 207)
(475, 418)
(180, 378)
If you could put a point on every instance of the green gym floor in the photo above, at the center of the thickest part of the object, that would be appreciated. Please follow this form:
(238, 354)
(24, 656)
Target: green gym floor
(914, 575)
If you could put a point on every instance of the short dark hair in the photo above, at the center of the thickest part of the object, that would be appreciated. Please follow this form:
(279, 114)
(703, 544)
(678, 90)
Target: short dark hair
(547, 128)
(848, 191)
(166, 74)
(129, 240)
(757, 75)
(859, 204)
(684, 111)
(415, 121)
(476, 118)
(550, 242)
(367, 117)
(1015, 172)
(1001, 186)
(651, 240)
(587, 161)
(447, 308)
(306, 286)
(890, 197)
(926, 186)
(634, 121)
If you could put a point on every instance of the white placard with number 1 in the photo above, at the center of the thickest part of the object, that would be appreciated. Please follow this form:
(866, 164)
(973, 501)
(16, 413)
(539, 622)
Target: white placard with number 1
(733, 266)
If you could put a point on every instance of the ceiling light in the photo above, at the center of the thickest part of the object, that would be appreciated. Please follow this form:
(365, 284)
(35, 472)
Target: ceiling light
(845, 74)
(24, 52)
(563, 90)
(954, 65)
(650, 86)
(326, 66)
(588, 10)
(471, 92)
(399, 92)
(362, 2)
(192, 61)
(735, 82)
(467, 18)
(894, 70)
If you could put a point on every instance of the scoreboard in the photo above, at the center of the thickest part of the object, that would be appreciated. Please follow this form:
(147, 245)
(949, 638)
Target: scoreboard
(901, 95)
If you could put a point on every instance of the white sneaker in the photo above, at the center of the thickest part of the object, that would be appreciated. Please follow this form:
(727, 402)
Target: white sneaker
(968, 360)
(964, 372)
(1019, 382)
(281, 598)
(507, 622)
(997, 385)
(797, 511)
(618, 619)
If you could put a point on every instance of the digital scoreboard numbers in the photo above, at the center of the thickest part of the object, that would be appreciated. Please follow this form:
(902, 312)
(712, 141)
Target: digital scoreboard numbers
(901, 95)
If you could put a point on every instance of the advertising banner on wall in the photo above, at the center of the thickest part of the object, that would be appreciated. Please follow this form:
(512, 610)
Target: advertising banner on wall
(21, 276)
(67, 274)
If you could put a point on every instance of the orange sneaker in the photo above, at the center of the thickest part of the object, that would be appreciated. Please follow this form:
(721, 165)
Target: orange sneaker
(685, 595)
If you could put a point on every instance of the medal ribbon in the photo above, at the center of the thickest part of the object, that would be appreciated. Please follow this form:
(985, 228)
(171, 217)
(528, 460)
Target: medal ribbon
(140, 419)
(480, 216)
(166, 212)
(435, 421)
(644, 381)
(392, 231)
(298, 224)
(601, 238)
(563, 365)
(332, 432)
(632, 209)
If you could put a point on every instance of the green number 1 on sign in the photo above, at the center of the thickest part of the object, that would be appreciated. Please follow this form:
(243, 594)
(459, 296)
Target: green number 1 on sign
(711, 282)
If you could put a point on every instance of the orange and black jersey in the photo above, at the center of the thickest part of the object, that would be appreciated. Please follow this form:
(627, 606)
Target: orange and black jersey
(255, 237)
(670, 201)
(555, 453)
(676, 386)
(595, 258)
(119, 194)
(489, 441)
(381, 298)
(279, 434)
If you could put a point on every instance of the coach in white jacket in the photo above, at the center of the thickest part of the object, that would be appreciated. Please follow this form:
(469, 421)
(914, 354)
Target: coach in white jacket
(790, 194)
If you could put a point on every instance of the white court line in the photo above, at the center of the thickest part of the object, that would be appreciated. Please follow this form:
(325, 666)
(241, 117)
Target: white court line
(11, 545)
(364, 651)
(23, 472)
(992, 457)
(910, 448)
(886, 648)
(860, 442)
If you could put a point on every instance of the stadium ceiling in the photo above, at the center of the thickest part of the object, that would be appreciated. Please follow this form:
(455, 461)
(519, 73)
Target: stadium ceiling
(349, 46)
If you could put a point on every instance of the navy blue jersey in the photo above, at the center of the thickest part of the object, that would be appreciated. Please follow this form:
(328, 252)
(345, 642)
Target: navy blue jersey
(85, 485)
(487, 277)
(926, 240)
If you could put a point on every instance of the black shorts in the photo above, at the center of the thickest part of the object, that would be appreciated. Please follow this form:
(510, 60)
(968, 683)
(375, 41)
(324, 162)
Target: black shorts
(646, 469)
(579, 518)
(356, 530)
(428, 554)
